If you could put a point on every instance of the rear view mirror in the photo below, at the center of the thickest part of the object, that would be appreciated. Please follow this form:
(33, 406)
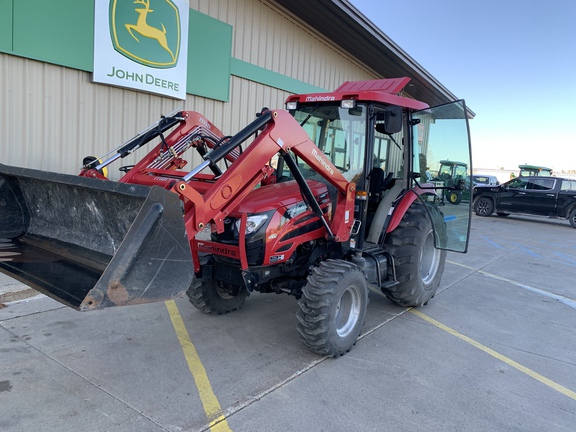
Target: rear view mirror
(389, 121)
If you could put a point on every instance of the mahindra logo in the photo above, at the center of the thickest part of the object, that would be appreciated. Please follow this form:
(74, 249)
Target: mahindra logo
(320, 159)
(218, 250)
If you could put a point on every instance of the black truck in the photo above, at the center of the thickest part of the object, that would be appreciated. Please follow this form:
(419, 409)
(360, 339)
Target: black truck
(533, 195)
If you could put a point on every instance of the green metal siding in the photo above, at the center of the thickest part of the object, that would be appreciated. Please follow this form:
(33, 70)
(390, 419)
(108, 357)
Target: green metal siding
(267, 77)
(6, 7)
(60, 32)
(209, 51)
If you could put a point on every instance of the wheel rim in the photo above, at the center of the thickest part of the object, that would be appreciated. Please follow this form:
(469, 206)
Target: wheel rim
(348, 311)
(224, 292)
(482, 207)
(429, 259)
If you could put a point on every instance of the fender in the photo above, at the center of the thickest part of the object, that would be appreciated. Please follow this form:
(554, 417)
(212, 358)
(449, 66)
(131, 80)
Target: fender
(399, 210)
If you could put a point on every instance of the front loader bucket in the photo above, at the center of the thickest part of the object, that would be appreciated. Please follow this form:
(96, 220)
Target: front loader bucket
(92, 243)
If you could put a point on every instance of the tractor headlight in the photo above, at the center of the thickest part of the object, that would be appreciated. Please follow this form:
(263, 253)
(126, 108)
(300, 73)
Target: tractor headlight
(253, 223)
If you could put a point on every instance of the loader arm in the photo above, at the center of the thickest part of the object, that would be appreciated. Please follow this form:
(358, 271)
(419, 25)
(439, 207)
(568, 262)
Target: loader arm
(280, 132)
(91, 244)
(165, 160)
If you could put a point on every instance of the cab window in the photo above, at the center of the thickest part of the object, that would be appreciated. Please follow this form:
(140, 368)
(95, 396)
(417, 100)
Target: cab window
(569, 185)
(541, 184)
(518, 183)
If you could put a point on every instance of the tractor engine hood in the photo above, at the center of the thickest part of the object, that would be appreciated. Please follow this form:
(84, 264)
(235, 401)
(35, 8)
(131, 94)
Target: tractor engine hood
(277, 221)
(275, 196)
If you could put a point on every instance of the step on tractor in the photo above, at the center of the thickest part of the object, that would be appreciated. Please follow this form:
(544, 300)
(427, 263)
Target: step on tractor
(320, 200)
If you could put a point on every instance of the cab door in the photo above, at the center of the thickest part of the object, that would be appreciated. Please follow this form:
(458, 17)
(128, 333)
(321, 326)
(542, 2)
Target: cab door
(540, 198)
(438, 134)
(513, 196)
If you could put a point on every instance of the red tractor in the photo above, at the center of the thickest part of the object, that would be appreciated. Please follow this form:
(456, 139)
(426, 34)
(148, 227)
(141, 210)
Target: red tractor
(317, 201)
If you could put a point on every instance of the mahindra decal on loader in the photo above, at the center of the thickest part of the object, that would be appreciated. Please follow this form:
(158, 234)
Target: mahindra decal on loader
(318, 201)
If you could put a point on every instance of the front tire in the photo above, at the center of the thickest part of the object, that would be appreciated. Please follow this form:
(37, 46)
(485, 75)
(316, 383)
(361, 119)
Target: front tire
(215, 297)
(332, 308)
(484, 206)
(419, 265)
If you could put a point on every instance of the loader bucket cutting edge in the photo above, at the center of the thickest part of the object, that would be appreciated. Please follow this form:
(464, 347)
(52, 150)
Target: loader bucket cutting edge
(91, 243)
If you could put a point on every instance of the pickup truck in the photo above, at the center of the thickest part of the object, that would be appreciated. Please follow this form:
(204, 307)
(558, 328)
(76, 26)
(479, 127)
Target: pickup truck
(533, 195)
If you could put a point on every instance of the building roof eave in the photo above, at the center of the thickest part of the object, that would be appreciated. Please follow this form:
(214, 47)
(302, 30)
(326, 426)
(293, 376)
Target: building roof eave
(346, 26)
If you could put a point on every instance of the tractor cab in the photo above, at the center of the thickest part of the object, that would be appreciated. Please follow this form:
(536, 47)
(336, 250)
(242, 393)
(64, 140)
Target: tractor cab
(386, 145)
(454, 178)
(534, 170)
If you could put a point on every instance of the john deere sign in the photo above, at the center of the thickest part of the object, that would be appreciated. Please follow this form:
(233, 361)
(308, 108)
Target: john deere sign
(142, 44)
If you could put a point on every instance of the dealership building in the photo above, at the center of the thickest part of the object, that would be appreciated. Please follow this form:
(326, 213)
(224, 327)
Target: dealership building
(74, 83)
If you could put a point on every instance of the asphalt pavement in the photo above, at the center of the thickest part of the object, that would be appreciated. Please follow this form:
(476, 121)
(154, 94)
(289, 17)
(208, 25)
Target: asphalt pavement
(495, 350)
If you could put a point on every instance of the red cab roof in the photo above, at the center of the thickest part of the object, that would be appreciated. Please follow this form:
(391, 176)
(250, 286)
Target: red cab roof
(383, 90)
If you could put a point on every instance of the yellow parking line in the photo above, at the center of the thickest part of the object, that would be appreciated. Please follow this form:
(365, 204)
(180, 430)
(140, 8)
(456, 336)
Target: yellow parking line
(561, 389)
(211, 405)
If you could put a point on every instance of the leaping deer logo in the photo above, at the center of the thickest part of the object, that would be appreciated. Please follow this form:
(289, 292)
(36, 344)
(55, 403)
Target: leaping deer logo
(147, 30)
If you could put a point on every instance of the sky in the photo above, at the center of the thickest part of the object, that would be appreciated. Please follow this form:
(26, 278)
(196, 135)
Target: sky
(512, 61)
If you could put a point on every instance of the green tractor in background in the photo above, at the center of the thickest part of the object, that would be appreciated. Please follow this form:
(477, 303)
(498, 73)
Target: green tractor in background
(454, 175)
(534, 170)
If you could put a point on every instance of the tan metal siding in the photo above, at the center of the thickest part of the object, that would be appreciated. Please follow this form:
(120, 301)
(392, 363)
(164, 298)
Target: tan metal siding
(51, 116)
(270, 37)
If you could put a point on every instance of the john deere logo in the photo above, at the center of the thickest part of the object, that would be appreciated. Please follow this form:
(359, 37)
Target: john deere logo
(148, 36)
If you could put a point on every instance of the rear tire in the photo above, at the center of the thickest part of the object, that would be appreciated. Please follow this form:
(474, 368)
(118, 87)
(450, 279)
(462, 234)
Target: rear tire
(419, 265)
(572, 218)
(215, 297)
(454, 197)
(332, 308)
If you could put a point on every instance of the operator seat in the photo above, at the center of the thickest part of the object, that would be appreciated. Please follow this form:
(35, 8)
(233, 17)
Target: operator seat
(378, 185)
(376, 179)
(379, 219)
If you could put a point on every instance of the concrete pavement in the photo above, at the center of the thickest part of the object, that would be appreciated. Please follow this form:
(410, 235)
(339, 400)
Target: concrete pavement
(493, 351)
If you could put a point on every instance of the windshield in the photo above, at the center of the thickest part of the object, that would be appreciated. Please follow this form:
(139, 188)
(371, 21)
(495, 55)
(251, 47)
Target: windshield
(340, 134)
